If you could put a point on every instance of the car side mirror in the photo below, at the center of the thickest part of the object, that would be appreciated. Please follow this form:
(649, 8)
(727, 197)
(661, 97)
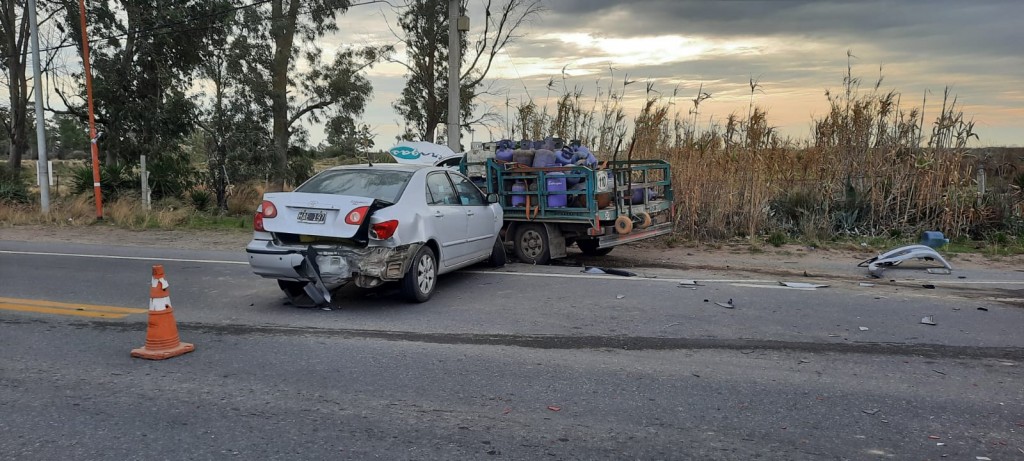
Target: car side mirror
(492, 198)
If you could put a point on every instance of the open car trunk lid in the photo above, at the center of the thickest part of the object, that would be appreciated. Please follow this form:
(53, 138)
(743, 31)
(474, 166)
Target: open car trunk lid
(317, 214)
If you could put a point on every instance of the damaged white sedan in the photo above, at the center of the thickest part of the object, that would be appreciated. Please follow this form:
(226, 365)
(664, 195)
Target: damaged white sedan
(371, 224)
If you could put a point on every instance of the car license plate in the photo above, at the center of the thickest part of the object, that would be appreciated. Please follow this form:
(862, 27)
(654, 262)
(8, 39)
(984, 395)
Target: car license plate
(312, 216)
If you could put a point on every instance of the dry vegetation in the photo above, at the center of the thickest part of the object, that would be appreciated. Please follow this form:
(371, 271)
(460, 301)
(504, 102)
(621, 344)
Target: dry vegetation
(873, 167)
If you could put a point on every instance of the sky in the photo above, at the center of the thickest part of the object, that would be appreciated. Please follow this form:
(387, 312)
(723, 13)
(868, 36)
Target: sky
(795, 49)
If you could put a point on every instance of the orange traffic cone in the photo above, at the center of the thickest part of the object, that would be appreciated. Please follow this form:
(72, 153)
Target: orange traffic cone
(162, 334)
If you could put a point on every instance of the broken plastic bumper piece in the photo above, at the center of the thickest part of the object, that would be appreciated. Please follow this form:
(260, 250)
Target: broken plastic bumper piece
(894, 257)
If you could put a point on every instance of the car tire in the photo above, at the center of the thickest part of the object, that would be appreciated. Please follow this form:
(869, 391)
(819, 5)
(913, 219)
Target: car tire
(420, 280)
(295, 291)
(589, 247)
(498, 257)
(531, 244)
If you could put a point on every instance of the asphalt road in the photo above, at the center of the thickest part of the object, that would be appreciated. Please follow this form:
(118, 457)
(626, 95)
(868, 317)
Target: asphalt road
(519, 363)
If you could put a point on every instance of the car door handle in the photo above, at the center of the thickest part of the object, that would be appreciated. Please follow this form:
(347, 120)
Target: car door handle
(470, 213)
(438, 214)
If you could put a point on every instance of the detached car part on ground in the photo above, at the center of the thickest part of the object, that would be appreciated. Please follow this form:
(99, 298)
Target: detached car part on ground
(370, 225)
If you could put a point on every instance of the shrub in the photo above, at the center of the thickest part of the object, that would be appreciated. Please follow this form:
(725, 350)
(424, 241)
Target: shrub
(171, 175)
(201, 199)
(114, 180)
(13, 187)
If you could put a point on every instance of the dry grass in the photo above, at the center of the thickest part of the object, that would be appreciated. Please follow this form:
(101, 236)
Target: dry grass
(245, 198)
(872, 167)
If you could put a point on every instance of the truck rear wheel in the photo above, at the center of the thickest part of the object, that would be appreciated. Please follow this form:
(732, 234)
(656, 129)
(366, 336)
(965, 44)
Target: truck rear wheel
(531, 244)
(589, 247)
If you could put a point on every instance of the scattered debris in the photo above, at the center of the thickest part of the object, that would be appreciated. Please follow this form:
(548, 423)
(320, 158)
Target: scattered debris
(983, 309)
(802, 285)
(747, 351)
(983, 458)
(620, 296)
(672, 324)
(690, 283)
(606, 270)
(866, 284)
(939, 271)
(940, 444)
(326, 308)
(864, 328)
(934, 437)
(727, 305)
(833, 336)
(892, 258)
(507, 411)
(805, 361)
(554, 408)
(928, 320)
(929, 286)
(706, 300)
(939, 372)
(871, 411)
(961, 276)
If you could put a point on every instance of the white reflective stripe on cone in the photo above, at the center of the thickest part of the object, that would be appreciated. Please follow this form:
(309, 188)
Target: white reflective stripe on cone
(163, 283)
(159, 304)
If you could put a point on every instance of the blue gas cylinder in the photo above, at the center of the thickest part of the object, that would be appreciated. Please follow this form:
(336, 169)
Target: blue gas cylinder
(518, 199)
(556, 183)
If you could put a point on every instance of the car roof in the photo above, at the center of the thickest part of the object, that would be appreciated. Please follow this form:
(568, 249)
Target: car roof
(383, 166)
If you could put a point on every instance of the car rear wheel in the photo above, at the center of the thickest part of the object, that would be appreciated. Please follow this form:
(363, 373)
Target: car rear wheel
(421, 279)
(589, 247)
(498, 257)
(531, 244)
(296, 293)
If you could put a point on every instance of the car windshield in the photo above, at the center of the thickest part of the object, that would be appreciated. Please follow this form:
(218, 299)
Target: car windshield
(380, 184)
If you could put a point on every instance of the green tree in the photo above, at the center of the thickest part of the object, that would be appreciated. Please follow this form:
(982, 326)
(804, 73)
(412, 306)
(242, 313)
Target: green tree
(424, 23)
(142, 75)
(346, 138)
(68, 134)
(294, 79)
(14, 64)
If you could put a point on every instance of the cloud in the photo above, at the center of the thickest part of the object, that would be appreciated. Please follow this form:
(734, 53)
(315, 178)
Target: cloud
(797, 48)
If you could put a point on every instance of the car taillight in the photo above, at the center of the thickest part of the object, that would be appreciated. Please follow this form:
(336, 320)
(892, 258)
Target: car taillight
(269, 210)
(257, 222)
(356, 216)
(383, 230)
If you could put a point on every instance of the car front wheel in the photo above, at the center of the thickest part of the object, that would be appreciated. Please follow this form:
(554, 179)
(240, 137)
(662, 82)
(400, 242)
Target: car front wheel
(498, 256)
(421, 279)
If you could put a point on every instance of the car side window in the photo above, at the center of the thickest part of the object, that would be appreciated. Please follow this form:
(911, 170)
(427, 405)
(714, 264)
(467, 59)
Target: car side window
(469, 194)
(440, 191)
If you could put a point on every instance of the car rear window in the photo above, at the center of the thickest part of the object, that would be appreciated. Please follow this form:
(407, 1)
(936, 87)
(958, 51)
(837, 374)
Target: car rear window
(380, 184)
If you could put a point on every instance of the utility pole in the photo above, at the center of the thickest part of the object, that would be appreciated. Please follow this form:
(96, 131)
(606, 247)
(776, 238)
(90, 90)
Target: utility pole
(92, 118)
(42, 166)
(454, 69)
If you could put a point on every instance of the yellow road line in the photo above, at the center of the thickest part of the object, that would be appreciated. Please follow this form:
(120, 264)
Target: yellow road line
(53, 307)
(53, 310)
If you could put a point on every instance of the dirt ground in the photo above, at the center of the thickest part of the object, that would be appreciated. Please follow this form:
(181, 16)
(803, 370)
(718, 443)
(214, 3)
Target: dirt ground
(785, 260)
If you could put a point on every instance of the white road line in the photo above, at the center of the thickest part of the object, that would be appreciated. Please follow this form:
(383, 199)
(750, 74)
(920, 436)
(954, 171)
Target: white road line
(615, 277)
(133, 258)
(736, 282)
(775, 287)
